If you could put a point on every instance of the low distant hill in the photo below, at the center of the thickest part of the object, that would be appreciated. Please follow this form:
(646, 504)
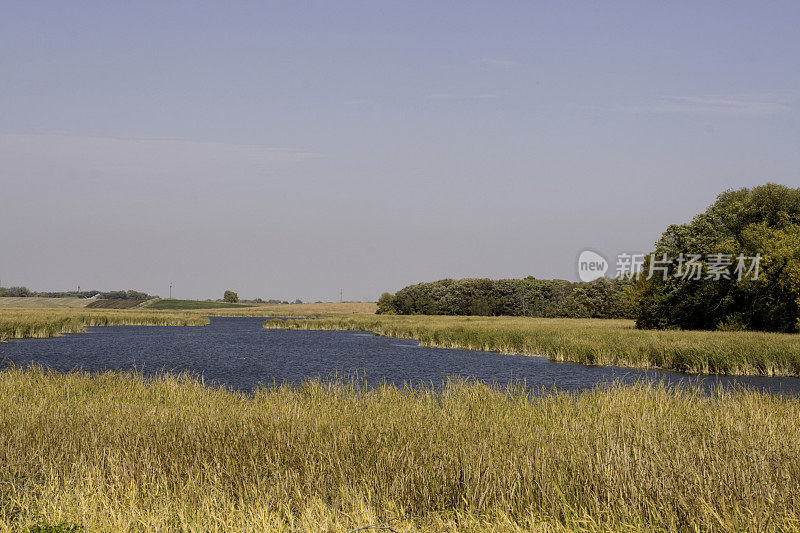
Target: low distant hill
(116, 303)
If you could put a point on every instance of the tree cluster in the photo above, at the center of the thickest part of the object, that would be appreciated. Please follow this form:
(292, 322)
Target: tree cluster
(764, 220)
(602, 298)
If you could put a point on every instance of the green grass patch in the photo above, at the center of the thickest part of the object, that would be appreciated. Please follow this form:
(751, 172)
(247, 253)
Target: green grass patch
(116, 303)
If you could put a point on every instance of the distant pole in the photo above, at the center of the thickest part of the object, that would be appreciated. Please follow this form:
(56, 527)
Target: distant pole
(341, 292)
(170, 290)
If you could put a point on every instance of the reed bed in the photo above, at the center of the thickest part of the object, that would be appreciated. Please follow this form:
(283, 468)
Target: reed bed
(117, 452)
(21, 323)
(586, 341)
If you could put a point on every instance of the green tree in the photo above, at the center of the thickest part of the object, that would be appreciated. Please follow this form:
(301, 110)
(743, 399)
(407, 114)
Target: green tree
(386, 304)
(764, 220)
(231, 297)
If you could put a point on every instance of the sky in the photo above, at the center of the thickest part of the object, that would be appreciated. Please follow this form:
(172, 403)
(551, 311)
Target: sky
(295, 149)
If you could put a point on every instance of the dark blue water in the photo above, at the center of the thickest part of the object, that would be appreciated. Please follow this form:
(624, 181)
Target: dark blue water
(237, 352)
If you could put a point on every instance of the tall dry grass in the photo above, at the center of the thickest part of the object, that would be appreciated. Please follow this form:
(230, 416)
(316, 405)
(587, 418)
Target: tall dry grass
(587, 341)
(114, 452)
(20, 323)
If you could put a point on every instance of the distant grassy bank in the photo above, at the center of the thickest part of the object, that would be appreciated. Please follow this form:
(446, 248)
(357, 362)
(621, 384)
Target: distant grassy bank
(117, 303)
(20, 323)
(114, 452)
(168, 304)
(319, 309)
(262, 309)
(36, 322)
(586, 341)
(36, 301)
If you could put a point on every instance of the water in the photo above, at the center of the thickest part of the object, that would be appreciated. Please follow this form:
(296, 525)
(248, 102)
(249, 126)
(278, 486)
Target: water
(239, 353)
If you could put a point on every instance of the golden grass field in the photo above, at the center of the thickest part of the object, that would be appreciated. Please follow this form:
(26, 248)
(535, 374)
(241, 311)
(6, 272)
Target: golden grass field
(586, 341)
(44, 302)
(115, 452)
(118, 452)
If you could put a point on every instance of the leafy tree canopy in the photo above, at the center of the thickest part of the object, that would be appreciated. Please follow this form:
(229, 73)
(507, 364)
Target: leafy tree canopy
(602, 298)
(231, 297)
(764, 220)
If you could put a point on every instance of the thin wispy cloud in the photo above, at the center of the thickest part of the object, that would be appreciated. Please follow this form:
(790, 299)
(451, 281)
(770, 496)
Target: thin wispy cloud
(732, 105)
(134, 167)
(499, 62)
(464, 97)
(62, 142)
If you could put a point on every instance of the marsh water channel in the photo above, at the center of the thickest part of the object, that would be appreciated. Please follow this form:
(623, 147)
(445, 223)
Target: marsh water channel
(239, 353)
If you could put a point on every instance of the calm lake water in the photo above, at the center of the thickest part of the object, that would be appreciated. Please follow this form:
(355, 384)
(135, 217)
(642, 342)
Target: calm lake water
(239, 353)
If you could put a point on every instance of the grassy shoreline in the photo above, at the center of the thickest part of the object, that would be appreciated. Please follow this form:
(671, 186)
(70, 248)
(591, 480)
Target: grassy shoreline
(585, 341)
(42, 322)
(24, 323)
(116, 452)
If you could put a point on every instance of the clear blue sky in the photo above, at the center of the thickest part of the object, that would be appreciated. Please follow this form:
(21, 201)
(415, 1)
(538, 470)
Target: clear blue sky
(291, 149)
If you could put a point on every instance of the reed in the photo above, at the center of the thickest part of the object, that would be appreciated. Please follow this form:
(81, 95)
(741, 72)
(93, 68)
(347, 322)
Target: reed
(20, 323)
(586, 341)
(117, 452)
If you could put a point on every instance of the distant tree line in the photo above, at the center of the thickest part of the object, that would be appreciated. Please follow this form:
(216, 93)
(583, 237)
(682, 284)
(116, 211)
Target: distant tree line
(24, 292)
(762, 222)
(602, 298)
(15, 292)
(124, 295)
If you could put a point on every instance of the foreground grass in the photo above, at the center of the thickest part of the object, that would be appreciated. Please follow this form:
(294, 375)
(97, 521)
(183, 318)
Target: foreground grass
(114, 452)
(21, 323)
(587, 341)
